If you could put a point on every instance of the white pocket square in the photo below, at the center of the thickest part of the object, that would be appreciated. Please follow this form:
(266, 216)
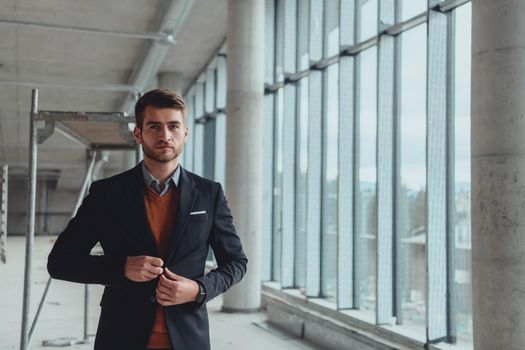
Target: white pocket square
(198, 212)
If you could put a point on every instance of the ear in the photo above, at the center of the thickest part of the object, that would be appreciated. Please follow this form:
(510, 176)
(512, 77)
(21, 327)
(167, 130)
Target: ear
(185, 134)
(138, 135)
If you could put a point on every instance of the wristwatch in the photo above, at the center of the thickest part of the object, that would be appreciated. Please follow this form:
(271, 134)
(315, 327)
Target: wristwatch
(202, 294)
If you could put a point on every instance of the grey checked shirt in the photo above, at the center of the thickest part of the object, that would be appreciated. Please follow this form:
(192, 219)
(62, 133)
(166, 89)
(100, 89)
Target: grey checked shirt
(154, 183)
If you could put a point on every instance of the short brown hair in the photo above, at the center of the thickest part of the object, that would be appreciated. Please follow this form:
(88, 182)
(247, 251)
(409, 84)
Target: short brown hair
(160, 98)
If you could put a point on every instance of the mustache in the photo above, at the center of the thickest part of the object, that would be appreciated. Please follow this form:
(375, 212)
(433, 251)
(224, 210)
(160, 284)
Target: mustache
(164, 144)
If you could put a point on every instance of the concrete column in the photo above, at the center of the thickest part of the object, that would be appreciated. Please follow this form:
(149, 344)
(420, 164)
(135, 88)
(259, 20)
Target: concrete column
(498, 174)
(244, 142)
(172, 81)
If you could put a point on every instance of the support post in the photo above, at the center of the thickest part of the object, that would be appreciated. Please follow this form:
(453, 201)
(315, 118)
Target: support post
(498, 174)
(3, 214)
(31, 189)
(244, 141)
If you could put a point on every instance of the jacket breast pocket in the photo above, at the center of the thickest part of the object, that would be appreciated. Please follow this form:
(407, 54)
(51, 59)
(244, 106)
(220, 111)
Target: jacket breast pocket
(199, 216)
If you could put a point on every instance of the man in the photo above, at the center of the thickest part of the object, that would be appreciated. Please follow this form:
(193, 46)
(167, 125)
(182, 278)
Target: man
(155, 223)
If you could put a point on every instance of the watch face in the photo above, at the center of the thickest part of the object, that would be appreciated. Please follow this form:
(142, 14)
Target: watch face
(200, 297)
(202, 294)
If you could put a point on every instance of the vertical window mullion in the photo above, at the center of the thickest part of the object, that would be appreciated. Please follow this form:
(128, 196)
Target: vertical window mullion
(268, 143)
(450, 195)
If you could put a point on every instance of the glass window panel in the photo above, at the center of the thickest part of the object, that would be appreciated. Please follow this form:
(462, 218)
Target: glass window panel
(221, 81)
(462, 235)
(411, 8)
(411, 201)
(188, 147)
(199, 100)
(366, 191)
(210, 90)
(368, 20)
(267, 185)
(301, 184)
(198, 148)
(208, 170)
(330, 172)
(331, 38)
(279, 41)
(290, 36)
(303, 25)
(278, 187)
(269, 39)
(220, 149)
(316, 30)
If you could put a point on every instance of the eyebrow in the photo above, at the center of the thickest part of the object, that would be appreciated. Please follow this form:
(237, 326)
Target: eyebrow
(159, 123)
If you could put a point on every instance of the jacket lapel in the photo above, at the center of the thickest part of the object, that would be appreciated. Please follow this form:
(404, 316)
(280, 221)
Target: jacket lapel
(135, 197)
(188, 196)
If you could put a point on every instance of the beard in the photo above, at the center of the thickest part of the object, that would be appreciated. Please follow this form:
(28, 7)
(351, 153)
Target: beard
(162, 155)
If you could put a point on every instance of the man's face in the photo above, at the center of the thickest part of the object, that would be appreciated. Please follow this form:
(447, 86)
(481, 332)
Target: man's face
(163, 134)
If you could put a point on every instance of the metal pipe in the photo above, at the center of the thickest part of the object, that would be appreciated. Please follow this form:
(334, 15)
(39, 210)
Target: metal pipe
(24, 336)
(39, 310)
(86, 312)
(69, 85)
(174, 15)
(116, 117)
(3, 214)
(146, 35)
(82, 193)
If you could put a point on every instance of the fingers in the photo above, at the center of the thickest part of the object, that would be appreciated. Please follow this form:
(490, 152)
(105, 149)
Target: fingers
(143, 268)
(153, 269)
(150, 276)
(166, 287)
(154, 261)
(172, 275)
(162, 296)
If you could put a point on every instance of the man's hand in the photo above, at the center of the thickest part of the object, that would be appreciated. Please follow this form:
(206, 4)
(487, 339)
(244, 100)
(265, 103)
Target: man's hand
(142, 268)
(174, 289)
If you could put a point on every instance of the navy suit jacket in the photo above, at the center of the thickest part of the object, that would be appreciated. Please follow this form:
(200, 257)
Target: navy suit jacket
(113, 214)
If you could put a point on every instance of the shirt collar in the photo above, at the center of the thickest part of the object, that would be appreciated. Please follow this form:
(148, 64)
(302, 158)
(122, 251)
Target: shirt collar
(153, 182)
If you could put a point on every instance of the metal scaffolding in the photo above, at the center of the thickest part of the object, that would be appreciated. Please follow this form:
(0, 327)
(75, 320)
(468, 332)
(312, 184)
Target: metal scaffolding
(60, 120)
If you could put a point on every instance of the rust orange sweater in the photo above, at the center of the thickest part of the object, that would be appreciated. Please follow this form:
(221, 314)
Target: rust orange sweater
(161, 213)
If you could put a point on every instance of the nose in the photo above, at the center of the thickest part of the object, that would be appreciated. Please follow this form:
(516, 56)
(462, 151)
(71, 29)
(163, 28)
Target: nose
(165, 134)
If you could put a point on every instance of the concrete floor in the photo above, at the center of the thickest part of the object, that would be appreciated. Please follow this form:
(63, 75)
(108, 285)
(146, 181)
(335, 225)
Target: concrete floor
(62, 315)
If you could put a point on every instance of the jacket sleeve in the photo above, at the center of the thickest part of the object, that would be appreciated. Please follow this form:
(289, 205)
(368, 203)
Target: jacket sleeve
(71, 259)
(226, 245)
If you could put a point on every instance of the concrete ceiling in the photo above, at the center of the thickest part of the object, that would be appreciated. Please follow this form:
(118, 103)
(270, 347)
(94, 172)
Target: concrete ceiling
(87, 71)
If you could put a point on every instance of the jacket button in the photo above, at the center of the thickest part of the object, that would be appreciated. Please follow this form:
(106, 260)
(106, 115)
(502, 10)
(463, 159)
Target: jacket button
(152, 299)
